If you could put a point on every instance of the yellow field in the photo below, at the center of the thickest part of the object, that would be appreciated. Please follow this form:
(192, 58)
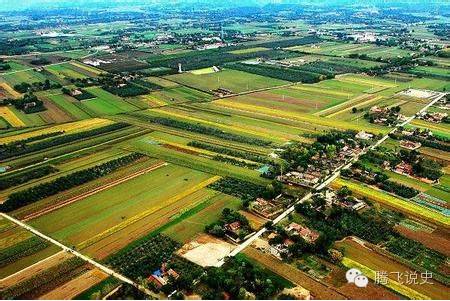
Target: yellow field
(299, 117)
(312, 88)
(392, 284)
(207, 70)
(148, 212)
(365, 80)
(349, 105)
(71, 127)
(10, 90)
(10, 117)
(87, 68)
(391, 201)
(248, 50)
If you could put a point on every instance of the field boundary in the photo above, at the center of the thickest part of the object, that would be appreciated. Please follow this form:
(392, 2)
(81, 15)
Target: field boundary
(92, 192)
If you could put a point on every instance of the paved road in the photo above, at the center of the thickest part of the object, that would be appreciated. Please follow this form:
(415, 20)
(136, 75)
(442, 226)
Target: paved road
(327, 181)
(83, 257)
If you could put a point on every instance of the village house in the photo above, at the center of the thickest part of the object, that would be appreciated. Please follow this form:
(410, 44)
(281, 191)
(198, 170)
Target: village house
(404, 168)
(304, 232)
(364, 136)
(161, 276)
(410, 145)
(265, 208)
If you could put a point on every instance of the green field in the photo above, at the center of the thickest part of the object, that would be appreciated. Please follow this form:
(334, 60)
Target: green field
(345, 49)
(399, 204)
(437, 72)
(106, 103)
(153, 191)
(29, 76)
(194, 221)
(69, 105)
(233, 80)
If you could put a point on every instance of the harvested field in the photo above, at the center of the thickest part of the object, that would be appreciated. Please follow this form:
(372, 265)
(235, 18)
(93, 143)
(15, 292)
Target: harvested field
(362, 253)
(205, 250)
(437, 240)
(54, 114)
(75, 286)
(256, 222)
(318, 290)
(34, 269)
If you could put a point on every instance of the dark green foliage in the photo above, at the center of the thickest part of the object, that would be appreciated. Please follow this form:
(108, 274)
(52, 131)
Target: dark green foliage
(145, 257)
(291, 42)
(29, 103)
(229, 216)
(128, 90)
(4, 66)
(246, 191)
(22, 249)
(128, 292)
(207, 58)
(427, 168)
(231, 152)
(36, 86)
(148, 85)
(201, 129)
(38, 192)
(288, 74)
(83, 96)
(24, 147)
(236, 162)
(25, 176)
(238, 276)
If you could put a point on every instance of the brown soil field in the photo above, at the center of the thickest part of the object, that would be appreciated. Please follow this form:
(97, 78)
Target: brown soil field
(318, 290)
(438, 155)
(256, 222)
(34, 269)
(364, 255)
(75, 286)
(182, 150)
(437, 240)
(54, 114)
(371, 292)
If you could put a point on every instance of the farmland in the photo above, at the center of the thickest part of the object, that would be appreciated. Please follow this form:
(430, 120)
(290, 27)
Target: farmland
(223, 151)
(232, 80)
(345, 49)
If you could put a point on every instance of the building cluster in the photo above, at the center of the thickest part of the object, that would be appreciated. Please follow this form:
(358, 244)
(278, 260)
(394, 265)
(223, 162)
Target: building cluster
(320, 167)
(435, 117)
(162, 276)
(271, 208)
(410, 145)
(385, 116)
(332, 198)
(222, 92)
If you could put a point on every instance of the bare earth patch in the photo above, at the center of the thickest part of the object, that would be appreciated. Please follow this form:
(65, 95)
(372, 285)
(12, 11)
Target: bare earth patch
(205, 250)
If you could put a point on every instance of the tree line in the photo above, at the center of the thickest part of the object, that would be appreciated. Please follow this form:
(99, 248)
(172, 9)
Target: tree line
(41, 191)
